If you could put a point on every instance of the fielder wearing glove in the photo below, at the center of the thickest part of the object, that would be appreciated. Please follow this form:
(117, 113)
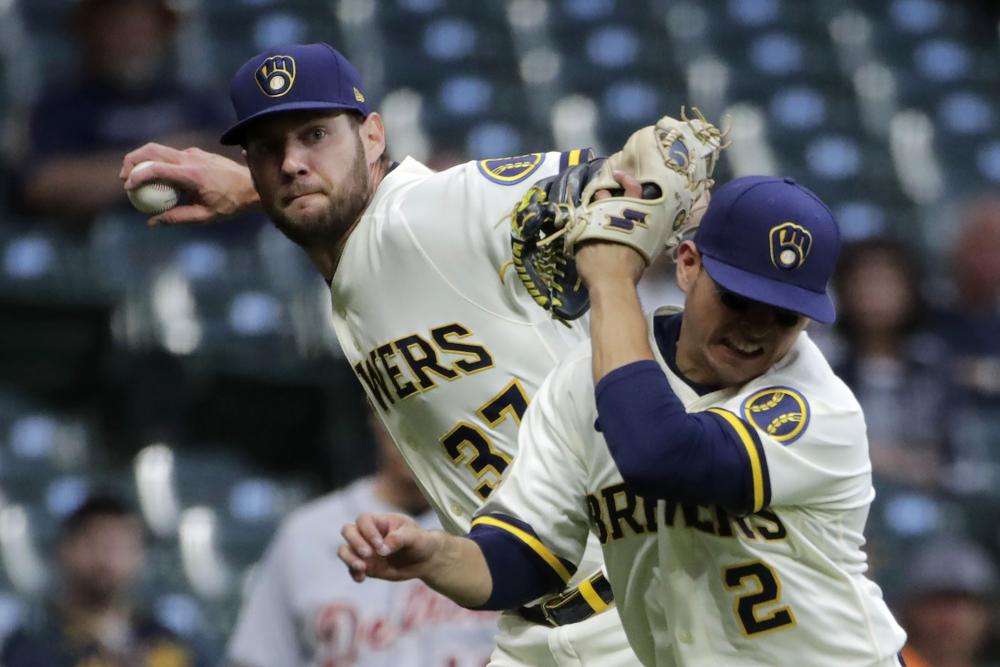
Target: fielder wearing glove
(672, 160)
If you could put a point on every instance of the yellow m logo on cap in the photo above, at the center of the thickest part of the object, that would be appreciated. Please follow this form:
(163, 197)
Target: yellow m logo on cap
(790, 245)
(276, 75)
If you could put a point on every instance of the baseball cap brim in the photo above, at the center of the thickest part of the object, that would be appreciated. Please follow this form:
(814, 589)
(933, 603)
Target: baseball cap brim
(234, 135)
(814, 305)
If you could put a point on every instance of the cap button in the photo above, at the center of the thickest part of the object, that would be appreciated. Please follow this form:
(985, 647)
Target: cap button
(790, 181)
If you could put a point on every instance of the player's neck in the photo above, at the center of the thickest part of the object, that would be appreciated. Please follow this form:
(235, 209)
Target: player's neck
(325, 258)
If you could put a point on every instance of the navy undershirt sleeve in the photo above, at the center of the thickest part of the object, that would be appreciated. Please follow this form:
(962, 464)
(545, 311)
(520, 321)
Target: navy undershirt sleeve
(519, 574)
(661, 451)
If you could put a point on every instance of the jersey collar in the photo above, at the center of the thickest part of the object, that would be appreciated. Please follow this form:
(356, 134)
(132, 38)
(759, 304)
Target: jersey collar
(666, 331)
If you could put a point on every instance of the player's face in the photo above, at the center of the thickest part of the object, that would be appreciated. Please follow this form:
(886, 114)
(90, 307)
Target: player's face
(103, 560)
(727, 340)
(311, 172)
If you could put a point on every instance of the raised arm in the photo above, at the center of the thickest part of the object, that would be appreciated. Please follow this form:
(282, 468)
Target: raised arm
(661, 451)
(611, 271)
(213, 185)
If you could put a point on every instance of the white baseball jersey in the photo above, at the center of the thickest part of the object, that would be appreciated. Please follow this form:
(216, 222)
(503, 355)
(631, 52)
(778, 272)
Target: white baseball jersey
(304, 609)
(695, 585)
(449, 354)
(450, 348)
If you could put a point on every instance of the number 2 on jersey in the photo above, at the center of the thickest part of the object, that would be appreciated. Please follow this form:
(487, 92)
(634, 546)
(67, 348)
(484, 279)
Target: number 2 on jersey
(765, 587)
(469, 444)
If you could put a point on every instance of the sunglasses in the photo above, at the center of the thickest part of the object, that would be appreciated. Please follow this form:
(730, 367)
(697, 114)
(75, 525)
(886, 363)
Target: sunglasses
(739, 304)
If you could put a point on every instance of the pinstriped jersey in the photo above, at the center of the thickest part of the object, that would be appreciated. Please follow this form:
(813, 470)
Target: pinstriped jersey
(697, 585)
(445, 339)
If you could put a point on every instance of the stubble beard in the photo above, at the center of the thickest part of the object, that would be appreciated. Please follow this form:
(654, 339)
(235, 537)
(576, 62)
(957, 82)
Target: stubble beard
(344, 207)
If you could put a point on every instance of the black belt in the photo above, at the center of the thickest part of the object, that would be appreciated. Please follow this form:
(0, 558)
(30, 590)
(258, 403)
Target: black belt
(590, 598)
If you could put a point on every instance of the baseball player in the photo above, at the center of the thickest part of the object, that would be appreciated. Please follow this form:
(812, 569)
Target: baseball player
(712, 451)
(303, 610)
(449, 353)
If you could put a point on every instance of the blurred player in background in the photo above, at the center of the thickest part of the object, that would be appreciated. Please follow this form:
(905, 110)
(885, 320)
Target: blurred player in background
(892, 362)
(304, 610)
(448, 351)
(125, 93)
(970, 326)
(949, 592)
(720, 461)
(94, 620)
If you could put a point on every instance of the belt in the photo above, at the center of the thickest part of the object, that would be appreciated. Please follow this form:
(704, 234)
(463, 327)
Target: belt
(590, 598)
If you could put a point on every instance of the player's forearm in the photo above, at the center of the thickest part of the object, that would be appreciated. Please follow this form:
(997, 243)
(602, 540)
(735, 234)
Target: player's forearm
(458, 570)
(617, 326)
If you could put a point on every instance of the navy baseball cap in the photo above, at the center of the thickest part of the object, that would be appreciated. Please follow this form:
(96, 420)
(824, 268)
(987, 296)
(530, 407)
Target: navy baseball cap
(771, 240)
(295, 77)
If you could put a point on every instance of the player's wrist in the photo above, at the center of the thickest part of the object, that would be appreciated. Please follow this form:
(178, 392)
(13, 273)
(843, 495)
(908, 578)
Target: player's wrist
(247, 197)
(458, 570)
(604, 265)
(612, 289)
(440, 556)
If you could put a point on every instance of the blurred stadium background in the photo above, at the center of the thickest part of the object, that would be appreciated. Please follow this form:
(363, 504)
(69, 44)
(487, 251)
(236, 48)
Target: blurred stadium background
(196, 372)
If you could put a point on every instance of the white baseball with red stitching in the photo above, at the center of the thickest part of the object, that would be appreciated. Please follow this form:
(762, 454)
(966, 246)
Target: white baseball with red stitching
(154, 197)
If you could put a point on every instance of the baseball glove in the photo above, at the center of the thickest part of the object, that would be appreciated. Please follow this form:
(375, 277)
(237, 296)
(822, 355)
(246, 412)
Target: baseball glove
(672, 160)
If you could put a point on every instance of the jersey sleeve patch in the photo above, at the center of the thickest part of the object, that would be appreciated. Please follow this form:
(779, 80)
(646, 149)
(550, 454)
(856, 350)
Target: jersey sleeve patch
(510, 170)
(780, 412)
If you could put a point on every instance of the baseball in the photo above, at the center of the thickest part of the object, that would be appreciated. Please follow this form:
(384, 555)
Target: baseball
(153, 197)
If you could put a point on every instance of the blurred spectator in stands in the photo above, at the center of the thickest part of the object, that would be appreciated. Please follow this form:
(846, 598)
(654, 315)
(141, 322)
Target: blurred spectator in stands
(947, 610)
(890, 360)
(93, 620)
(124, 95)
(971, 329)
(305, 609)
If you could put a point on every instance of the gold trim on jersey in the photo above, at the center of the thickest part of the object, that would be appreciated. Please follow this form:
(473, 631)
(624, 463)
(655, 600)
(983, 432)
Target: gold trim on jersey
(755, 456)
(532, 541)
(574, 157)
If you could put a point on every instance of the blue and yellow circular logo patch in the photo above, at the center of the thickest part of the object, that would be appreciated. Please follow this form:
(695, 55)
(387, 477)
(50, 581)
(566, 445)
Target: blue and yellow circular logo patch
(780, 412)
(510, 170)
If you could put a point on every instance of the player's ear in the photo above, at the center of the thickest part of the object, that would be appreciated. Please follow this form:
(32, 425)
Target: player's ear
(372, 133)
(688, 265)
